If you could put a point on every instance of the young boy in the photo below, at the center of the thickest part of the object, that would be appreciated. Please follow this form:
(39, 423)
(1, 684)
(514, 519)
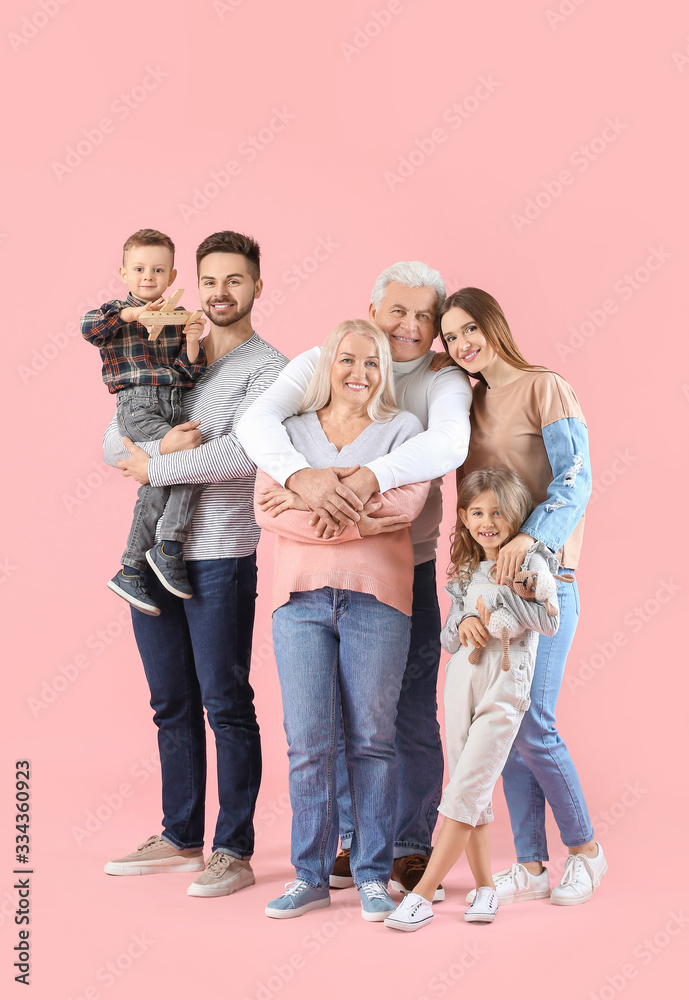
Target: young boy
(149, 377)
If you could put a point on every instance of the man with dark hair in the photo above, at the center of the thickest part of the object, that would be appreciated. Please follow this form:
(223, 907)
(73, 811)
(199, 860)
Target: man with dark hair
(197, 653)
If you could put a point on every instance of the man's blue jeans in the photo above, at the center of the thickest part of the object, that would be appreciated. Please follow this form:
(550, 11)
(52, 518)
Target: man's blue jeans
(539, 766)
(420, 761)
(195, 655)
(340, 656)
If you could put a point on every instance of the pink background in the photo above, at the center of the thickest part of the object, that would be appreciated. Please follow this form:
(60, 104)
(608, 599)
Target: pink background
(354, 96)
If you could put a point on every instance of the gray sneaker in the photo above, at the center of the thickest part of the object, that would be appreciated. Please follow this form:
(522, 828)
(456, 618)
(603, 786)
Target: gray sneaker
(170, 570)
(156, 857)
(133, 590)
(222, 876)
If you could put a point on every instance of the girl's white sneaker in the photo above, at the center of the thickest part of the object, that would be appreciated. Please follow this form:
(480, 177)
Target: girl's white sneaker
(412, 913)
(484, 906)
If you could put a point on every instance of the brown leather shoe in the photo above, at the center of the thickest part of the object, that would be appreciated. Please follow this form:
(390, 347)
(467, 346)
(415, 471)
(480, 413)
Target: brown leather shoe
(407, 872)
(341, 877)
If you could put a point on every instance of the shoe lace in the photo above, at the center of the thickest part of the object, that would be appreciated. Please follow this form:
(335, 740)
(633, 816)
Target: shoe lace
(218, 863)
(513, 874)
(297, 887)
(572, 872)
(374, 890)
(415, 863)
(155, 841)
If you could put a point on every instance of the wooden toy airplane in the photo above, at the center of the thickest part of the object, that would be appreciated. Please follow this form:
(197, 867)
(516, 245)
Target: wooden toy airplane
(155, 319)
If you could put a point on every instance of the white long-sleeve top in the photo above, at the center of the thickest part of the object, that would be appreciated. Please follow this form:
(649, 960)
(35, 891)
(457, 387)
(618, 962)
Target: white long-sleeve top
(441, 401)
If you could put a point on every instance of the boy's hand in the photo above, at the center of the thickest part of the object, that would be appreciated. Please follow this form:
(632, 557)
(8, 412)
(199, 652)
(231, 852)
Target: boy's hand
(277, 499)
(194, 334)
(181, 437)
(471, 630)
(380, 525)
(136, 465)
(131, 314)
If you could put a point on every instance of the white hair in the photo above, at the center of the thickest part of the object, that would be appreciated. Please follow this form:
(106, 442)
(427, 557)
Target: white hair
(382, 406)
(412, 274)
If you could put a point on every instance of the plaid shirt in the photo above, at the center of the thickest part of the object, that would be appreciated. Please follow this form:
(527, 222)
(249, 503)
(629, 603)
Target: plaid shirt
(130, 359)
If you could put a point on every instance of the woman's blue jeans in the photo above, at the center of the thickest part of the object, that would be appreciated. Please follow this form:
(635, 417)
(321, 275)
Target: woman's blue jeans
(195, 655)
(539, 766)
(341, 654)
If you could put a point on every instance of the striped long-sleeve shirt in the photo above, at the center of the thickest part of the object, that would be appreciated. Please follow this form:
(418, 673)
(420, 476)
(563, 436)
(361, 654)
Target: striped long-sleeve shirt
(224, 526)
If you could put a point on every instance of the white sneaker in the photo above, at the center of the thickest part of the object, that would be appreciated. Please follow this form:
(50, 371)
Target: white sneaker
(579, 879)
(412, 913)
(483, 907)
(517, 884)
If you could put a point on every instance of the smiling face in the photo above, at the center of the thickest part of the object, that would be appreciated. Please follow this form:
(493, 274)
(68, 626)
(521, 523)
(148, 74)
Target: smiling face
(485, 523)
(407, 316)
(355, 374)
(465, 342)
(147, 271)
(227, 288)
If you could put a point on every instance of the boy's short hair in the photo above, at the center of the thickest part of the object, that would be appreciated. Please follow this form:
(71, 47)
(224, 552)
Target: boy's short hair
(231, 242)
(148, 238)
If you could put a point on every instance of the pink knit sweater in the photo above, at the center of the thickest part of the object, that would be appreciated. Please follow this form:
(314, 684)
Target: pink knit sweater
(382, 565)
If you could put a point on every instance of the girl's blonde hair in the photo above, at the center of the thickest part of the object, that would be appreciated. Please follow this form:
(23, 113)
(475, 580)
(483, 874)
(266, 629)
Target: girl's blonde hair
(514, 503)
(383, 404)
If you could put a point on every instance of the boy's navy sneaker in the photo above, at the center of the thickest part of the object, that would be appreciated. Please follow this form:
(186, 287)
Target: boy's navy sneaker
(133, 590)
(170, 570)
(299, 896)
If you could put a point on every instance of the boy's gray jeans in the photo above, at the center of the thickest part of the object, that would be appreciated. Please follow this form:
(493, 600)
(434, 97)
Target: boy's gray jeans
(146, 413)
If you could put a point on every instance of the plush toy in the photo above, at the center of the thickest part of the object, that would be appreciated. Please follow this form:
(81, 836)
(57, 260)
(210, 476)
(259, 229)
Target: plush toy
(504, 625)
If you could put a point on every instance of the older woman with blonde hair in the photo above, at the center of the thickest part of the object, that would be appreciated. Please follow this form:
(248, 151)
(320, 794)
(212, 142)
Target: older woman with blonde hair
(341, 622)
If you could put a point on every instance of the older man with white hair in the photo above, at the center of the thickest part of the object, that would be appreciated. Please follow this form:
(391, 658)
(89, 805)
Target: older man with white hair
(404, 303)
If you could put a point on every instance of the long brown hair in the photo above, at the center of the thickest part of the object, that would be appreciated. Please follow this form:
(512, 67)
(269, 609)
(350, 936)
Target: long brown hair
(490, 318)
(514, 503)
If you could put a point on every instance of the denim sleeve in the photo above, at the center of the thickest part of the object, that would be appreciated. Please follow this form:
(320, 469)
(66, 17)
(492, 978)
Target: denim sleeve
(567, 445)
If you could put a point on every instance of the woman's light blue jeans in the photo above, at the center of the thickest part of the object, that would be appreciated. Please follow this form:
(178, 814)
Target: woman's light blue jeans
(539, 766)
(341, 653)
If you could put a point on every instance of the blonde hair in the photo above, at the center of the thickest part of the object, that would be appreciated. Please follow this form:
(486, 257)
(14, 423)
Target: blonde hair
(383, 404)
(514, 503)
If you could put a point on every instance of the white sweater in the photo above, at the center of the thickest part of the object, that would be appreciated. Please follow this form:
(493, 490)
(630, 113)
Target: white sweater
(441, 400)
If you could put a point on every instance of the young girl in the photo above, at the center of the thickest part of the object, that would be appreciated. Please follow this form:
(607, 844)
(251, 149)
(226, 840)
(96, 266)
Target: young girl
(484, 704)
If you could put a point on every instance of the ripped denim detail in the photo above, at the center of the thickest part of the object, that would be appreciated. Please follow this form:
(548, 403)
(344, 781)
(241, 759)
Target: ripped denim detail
(558, 503)
(571, 475)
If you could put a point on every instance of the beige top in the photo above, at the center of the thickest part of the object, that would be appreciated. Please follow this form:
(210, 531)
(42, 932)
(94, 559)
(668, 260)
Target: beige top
(508, 424)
